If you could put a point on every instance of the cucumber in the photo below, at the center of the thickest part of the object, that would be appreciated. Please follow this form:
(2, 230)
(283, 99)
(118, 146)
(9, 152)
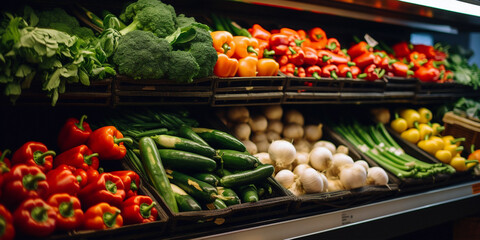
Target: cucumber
(266, 188)
(185, 202)
(230, 195)
(248, 193)
(258, 174)
(200, 190)
(219, 139)
(217, 204)
(153, 166)
(186, 161)
(222, 172)
(167, 141)
(187, 132)
(209, 178)
(235, 160)
(152, 132)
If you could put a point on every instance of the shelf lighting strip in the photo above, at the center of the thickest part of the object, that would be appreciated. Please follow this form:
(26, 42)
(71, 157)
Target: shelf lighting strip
(296, 228)
(449, 5)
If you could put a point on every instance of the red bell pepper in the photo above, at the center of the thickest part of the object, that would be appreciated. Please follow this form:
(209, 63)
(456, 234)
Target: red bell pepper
(139, 209)
(427, 74)
(402, 49)
(401, 69)
(429, 51)
(108, 188)
(418, 59)
(364, 60)
(63, 180)
(333, 45)
(372, 73)
(344, 71)
(314, 71)
(282, 60)
(108, 143)
(259, 32)
(83, 177)
(69, 214)
(330, 71)
(359, 49)
(78, 157)
(34, 154)
(102, 216)
(302, 33)
(279, 43)
(311, 56)
(288, 69)
(4, 159)
(7, 230)
(73, 133)
(355, 71)
(93, 175)
(319, 36)
(300, 72)
(324, 57)
(263, 46)
(24, 182)
(296, 56)
(35, 217)
(131, 181)
(289, 32)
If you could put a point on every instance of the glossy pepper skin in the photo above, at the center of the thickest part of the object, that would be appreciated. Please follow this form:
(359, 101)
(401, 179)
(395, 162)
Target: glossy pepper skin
(296, 56)
(245, 46)
(6, 223)
(247, 66)
(63, 180)
(427, 74)
(373, 73)
(402, 49)
(333, 45)
(267, 67)
(223, 42)
(314, 71)
(279, 43)
(108, 188)
(319, 36)
(108, 143)
(139, 209)
(34, 154)
(35, 218)
(259, 32)
(417, 59)
(79, 157)
(461, 164)
(102, 216)
(330, 71)
(401, 69)
(69, 214)
(344, 71)
(73, 133)
(24, 182)
(355, 71)
(399, 124)
(359, 49)
(311, 56)
(131, 181)
(225, 66)
(364, 60)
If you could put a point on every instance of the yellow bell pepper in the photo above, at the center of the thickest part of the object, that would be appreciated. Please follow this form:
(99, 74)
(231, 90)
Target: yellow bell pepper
(425, 115)
(461, 164)
(247, 66)
(430, 146)
(437, 129)
(424, 130)
(439, 141)
(412, 135)
(411, 116)
(453, 149)
(399, 124)
(444, 156)
(450, 140)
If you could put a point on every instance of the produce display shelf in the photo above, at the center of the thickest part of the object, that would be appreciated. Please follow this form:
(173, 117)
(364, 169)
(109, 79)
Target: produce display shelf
(345, 222)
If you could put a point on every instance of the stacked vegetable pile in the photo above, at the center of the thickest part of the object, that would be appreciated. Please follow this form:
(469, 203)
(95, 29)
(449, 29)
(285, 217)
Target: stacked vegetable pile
(415, 126)
(43, 192)
(309, 165)
(193, 168)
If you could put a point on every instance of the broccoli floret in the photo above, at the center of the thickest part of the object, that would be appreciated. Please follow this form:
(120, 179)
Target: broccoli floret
(150, 15)
(142, 55)
(206, 57)
(60, 20)
(182, 67)
(183, 21)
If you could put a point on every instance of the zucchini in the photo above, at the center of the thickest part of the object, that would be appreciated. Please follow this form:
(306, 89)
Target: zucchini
(186, 161)
(209, 178)
(185, 202)
(230, 196)
(200, 190)
(235, 160)
(167, 141)
(248, 193)
(187, 132)
(219, 139)
(258, 174)
(153, 166)
(217, 204)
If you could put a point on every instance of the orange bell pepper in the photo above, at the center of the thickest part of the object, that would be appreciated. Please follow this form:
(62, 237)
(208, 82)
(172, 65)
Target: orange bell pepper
(102, 216)
(247, 67)
(225, 66)
(245, 46)
(318, 36)
(267, 67)
(223, 42)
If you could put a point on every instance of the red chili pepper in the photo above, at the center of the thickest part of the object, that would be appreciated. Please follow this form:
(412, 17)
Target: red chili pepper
(35, 217)
(4, 159)
(139, 209)
(34, 154)
(24, 182)
(69, 214)
(418, 59)
(131, 181)
(296, 56)
(319, 36)
(429, 51)
(108, 188)
(364, 60)
(78, 157)
(330, 71)
(311, 56)
(314, 71)
(102, 216)
(401, 69)
(402, 49)
(333, 45)
(355, 71)
(73, 133)
(259, 32)
(279, 43)
(427, 74)
(359, 49)
(6, 226)
(63, 180)
(108, 143)
(344, 71)
(372, 73)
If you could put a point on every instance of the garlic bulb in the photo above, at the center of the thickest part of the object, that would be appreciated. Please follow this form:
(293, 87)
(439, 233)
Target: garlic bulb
(377, 176)
(302, 145)
(335, 185)
(311, 181)
(299, 169)
(329, 145)
(242, 131)
(313, 132)
(264, 158)
(320, 158)
(285, 178)
(362, 163)
(301, 158)
(282, 152)
(273, 112)
(258, 123)
(251, 147)
(338, 160)
(353, 176)
(296, 188)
